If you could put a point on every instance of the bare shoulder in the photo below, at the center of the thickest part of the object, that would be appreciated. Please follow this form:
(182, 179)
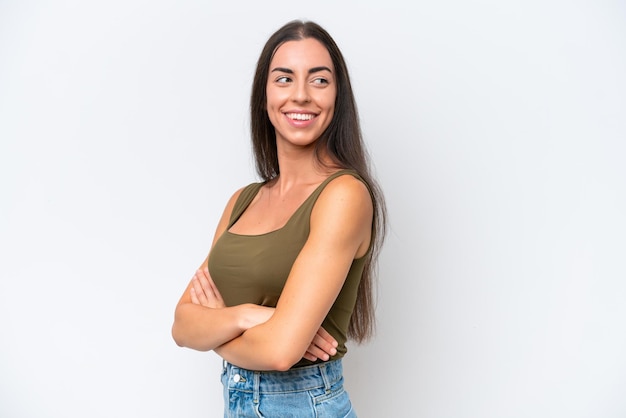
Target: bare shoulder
(344, 196)
(347, 187)
(342, 217)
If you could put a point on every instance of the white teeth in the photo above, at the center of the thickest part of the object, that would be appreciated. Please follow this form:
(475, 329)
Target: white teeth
(300, 116)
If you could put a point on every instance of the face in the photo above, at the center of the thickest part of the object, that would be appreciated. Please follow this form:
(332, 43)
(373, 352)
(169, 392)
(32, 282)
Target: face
(301, 92)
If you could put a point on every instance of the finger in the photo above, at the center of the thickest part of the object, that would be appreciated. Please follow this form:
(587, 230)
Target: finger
(199, 291)
(317, 352)
(313, 353)
(205, 281)
(327, 337)
(194, 297)
(213, 295)
(309, 356)
(324, 345)
(214, 289)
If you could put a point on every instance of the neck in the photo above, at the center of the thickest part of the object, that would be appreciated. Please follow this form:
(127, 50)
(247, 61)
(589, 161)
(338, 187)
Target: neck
(301, 167)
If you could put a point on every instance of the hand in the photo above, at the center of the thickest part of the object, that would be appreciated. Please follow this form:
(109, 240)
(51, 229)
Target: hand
(322, 347)
(204, 292)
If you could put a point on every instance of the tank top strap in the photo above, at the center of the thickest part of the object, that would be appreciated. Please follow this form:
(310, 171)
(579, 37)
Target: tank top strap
(308, 204)
(245, 198)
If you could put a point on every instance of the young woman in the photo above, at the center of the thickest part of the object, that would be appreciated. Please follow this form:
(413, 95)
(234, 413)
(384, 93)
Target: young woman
(289, 276)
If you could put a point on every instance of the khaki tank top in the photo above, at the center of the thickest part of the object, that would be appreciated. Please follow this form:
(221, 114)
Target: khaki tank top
(254, 268)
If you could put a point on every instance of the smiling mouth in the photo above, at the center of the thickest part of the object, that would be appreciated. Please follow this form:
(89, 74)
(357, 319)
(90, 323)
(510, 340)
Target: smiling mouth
(300, 116)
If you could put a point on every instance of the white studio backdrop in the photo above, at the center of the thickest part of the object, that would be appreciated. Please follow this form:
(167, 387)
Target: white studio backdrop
(497, 130)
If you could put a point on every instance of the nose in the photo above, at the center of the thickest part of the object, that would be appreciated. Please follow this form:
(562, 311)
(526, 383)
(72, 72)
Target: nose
(300, 92)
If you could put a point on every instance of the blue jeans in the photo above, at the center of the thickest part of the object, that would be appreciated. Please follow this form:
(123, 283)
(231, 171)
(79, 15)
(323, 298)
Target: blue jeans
(311, 391)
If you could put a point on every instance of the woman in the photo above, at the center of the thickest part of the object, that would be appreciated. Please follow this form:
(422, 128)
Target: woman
(289, 275)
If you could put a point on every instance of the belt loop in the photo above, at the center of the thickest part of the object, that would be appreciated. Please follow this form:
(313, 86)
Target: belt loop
(322, 368)
(256, 387)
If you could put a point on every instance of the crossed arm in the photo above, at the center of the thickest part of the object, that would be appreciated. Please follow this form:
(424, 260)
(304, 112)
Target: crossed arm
(262, 338)
(204, 293)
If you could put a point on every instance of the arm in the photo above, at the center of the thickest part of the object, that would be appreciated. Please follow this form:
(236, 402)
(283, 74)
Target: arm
(204, 292)
(203, 327)
(203, 322)
(206, 327)
(341, 224)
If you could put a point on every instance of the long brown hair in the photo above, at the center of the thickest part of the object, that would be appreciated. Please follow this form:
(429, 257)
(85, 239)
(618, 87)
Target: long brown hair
(342, 142)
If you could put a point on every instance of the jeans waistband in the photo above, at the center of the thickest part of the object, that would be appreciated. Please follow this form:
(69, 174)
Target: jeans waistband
(321, 375)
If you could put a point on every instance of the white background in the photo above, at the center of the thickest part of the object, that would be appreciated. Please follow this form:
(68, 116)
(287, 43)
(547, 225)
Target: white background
(497, 130)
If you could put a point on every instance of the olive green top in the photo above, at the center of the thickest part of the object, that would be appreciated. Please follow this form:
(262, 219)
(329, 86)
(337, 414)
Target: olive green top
(254, 268)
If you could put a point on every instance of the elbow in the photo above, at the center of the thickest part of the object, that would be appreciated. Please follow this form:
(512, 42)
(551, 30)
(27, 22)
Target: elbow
(281, 365)
(186, 334)
(177, 339)
(176, 335)
(180, 330)
(283, 360)
(285, 349)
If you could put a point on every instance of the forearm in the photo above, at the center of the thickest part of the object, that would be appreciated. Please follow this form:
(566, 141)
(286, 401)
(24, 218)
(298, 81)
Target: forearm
(204, 329)
(262, 348)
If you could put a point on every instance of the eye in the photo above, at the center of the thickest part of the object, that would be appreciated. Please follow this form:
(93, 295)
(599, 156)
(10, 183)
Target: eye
(283, 79)
(320, 81)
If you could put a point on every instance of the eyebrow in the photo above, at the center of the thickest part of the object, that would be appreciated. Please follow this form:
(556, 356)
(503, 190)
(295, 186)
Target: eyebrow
(311, 71)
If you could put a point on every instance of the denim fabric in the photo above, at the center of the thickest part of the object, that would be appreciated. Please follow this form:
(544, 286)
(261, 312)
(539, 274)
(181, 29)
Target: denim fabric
(312, 391)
